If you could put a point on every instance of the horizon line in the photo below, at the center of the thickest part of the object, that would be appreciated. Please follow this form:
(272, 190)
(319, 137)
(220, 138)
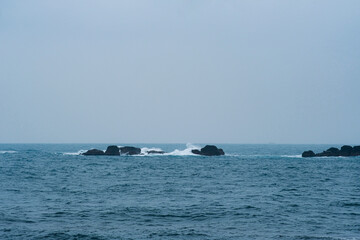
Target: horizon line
(231, 143)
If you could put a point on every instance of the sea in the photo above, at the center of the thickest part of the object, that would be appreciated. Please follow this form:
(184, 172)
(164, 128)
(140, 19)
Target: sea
(51, 191)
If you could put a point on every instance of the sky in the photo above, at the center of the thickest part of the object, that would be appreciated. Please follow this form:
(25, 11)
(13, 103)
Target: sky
(180, 71)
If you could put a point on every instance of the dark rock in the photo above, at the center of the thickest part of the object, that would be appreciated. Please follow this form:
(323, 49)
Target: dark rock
(209, 150)
(308, 154)
(130, 150)
(346, 150)
(93, 152)
(331, 152)
(323, 154)
(356, 151)
(112, 150)
(155, 152)
(196, 151)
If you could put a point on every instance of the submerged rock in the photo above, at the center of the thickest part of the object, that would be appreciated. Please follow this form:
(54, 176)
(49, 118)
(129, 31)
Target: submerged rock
(345, 151)
(130, 150)
(112, 150)
(93, 152)
(208, 150)
(196, 151)
(155, 152)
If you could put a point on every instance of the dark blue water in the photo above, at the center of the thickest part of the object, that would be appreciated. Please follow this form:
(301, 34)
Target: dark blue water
(254, 192)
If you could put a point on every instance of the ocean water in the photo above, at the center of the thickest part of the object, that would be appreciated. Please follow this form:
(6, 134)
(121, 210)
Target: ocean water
(253, 192)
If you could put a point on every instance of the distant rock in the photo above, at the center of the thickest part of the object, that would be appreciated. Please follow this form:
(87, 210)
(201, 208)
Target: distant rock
(130, 150)
(308, 154)
(208, 150)
(345, 151)
(93, 152)
(112, 150)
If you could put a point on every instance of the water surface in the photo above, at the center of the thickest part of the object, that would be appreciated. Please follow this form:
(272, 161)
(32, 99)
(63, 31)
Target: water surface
(253, 192)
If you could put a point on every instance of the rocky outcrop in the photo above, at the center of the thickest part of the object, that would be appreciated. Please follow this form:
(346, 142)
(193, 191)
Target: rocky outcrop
(208, 150)
(130, 150)
(344, 151)
(115, 151)
(112, 150)
(94, 152)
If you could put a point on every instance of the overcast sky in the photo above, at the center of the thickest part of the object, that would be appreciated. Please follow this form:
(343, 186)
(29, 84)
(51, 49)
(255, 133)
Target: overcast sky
(180, 71)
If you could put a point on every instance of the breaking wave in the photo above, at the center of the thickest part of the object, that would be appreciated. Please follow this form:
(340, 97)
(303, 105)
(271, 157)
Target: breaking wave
(185, 152)
(145, 151)
(292, 156)
(80, 152)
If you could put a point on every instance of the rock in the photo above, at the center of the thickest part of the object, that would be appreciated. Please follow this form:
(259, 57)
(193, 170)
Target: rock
(196, 151)
(308, 154)
(209, 150)
(155, 152)
(93, 152)
(130, 150)
(356, 151)
(331, 152)
(112, 150)
(346, 150)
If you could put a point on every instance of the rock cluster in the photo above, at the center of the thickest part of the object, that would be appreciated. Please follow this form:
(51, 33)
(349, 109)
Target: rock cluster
(208, 150)
(115, 151)
(344, 151)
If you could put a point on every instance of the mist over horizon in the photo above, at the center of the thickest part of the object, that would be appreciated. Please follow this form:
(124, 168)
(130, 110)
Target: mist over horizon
(245, 72)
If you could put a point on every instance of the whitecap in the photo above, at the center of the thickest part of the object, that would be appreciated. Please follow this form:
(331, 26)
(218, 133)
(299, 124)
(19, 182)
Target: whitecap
(9, 151)
(185, 152)
(80, 152)
(145, 150)
(292, 156)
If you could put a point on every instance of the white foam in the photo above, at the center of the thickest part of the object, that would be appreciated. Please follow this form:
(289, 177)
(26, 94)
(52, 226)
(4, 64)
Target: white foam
(3, 152)
(145, 150)
(292, 156)
(185, 152)
(80, 152)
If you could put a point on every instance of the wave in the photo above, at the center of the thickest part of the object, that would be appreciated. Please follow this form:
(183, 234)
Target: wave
(4, 152)
(145, 151)
(185, 152)
(80, 152)
(292, 156)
